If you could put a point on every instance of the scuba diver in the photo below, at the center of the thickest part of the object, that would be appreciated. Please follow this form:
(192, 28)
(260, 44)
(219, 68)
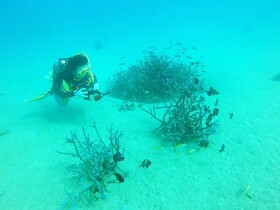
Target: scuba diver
(72, 77)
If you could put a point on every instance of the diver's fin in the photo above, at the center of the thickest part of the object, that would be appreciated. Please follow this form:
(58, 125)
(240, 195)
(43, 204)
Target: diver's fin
(40, 97)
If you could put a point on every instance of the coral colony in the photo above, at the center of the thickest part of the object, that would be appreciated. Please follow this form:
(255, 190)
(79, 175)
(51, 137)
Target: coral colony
(96, 166)
(175, 84)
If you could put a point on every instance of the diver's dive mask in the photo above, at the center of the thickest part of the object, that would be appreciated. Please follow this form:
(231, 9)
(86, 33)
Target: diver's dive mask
(81, 72)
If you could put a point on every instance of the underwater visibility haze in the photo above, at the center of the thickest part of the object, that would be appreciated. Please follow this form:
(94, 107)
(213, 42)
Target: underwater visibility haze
(188, 117)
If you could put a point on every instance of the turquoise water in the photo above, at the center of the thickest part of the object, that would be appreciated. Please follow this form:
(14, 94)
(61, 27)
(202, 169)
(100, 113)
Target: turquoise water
(239, 43)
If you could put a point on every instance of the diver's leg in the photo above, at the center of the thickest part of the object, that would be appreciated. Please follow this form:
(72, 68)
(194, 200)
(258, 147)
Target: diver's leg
(61, 101)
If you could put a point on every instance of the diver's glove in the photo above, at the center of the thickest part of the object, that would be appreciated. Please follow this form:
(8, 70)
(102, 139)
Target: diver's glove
(90, 94)
(82, 93)
(96, 95)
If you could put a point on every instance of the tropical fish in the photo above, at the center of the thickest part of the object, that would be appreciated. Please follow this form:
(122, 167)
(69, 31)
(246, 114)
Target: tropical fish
(145, 163)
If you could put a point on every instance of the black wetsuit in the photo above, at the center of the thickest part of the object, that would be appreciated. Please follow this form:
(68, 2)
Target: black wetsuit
(63, 72)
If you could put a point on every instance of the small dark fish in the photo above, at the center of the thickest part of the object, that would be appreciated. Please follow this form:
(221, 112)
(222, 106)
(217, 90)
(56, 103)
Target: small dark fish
(231, 116)
(215, 112)
(194, 63)
(123, 57)
(212, 91)
(118, 157)
(203, 143)
(194, 48)
(206, 108)
(119, 177)
(202, 98)
(217, 102)
(188, 57)
(150, 52)
(122, 64)
(222, 148)
(196, 81)
(167, 48)
(139, 106)
(178, 44)
(208, 120)
(145, 163)
(177, 56)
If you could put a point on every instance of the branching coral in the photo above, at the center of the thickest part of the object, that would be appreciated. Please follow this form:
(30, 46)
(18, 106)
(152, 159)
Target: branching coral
(97, 164)
(187, 117)
(152, 79)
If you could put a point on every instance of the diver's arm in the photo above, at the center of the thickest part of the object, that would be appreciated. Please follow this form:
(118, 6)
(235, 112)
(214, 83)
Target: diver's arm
(57, 90)
(94, 82)
(59, 84)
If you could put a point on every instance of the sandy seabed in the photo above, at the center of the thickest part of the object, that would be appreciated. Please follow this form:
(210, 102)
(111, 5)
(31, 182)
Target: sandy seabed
(32, 172)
